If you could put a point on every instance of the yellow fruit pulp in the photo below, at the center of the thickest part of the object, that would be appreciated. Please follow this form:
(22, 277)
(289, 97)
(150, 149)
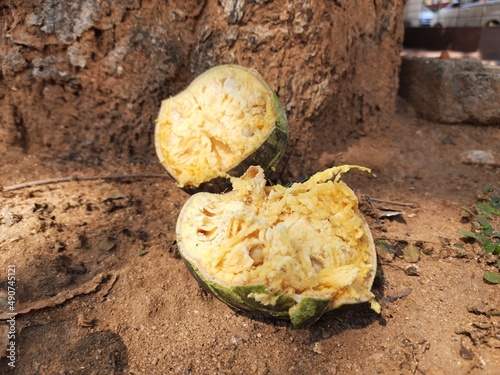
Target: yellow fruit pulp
(221, 118)
(305, 240)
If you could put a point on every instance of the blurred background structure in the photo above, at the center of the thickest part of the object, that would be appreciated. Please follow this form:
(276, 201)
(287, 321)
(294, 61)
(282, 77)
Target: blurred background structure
(458, 25)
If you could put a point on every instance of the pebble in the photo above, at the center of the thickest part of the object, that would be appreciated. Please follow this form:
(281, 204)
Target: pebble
(318, 348)
(106, 245)
(412, 270)
(477, 157)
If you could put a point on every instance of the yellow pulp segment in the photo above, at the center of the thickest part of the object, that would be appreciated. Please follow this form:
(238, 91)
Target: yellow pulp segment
(307, 240)
(209, 128)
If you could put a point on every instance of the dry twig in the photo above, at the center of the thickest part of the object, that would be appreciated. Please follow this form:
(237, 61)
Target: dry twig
(488, 164)
(80, 178)
(87, 288)
(389, 202)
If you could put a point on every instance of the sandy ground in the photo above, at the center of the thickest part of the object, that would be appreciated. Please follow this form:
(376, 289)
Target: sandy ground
(101, 290)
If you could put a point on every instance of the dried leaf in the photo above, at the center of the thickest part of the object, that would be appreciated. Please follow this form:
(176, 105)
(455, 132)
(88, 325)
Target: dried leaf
(411, 253)
(83, 321)
(394, 297)
(388, 212)
(115, 194)
(384, 250)
(412, 270)
(107, 244)
(59, 246)
(8, 217)
(87, 288)
(466, 353)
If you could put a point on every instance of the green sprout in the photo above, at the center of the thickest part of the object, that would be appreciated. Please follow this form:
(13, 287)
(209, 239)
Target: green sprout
(484, 215)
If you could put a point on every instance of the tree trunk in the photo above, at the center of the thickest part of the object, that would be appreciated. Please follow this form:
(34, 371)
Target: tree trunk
(84, 79)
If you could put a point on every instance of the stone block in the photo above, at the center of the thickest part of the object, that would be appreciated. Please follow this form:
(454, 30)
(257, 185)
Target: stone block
(451, 90)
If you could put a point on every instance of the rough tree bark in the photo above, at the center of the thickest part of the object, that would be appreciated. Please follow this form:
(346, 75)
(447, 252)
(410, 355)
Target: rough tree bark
(83, 79)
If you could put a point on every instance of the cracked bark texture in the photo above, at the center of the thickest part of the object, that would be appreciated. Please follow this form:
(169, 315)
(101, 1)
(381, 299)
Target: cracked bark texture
(83, 80)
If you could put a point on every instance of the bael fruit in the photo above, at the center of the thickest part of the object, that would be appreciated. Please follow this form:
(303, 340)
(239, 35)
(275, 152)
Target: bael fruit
(294, 252)
(226, 120)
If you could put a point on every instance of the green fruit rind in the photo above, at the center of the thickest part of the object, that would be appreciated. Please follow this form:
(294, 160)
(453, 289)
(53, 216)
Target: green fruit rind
(302, 313)
(308, 311)
(227, 295)
(239, 297)
(280, 309)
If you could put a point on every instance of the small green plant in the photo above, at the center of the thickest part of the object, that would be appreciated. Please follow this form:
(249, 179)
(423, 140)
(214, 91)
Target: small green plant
(484, 215)
(483, 232)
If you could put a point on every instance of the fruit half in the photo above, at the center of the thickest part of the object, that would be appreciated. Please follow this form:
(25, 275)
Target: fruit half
(226, 120)
(294, 252)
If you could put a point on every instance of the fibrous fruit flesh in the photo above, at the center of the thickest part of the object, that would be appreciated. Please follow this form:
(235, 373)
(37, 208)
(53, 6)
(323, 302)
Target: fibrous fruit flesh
(227, 119)
(294, 252)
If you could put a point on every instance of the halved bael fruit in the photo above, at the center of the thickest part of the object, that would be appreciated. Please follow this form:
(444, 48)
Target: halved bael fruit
(226, 120)
(294, 252)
